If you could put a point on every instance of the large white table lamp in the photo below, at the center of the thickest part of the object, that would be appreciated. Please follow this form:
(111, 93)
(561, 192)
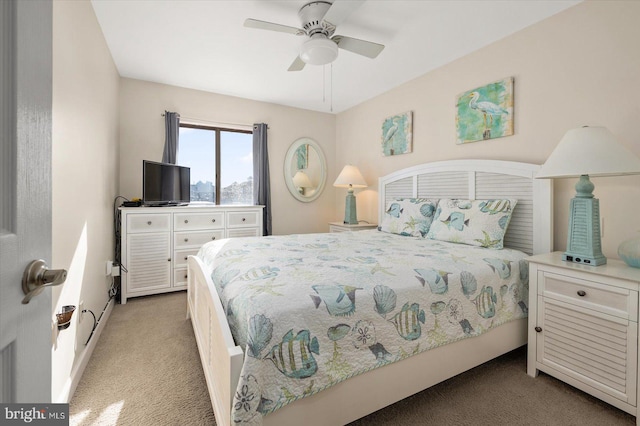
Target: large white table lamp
(584, 152)
(350, 177)
(301, 181)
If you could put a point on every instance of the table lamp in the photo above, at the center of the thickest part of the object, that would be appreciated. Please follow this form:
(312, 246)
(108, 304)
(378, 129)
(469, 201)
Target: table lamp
(350, 177)
(302, 181)
(584, 152)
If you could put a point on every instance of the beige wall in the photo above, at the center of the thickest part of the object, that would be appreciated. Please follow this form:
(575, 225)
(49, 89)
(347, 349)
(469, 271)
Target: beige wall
(85, 156)
(580, 67)
(142, 138)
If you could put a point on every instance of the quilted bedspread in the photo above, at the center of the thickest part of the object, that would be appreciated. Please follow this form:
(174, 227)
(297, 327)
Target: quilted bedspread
(313, 310)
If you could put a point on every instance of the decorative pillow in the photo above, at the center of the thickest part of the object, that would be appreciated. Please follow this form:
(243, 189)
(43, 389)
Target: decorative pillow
(474, 222)
(409, 216)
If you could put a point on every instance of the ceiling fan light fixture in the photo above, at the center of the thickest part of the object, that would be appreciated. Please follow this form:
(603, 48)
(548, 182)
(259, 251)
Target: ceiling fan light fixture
(319, 51)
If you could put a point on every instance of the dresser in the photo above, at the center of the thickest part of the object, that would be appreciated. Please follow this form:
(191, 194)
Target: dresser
(156, 242)
(583, 327)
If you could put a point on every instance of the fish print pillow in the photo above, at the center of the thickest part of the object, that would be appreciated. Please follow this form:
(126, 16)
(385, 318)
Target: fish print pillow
(409, 216)
(480, 223)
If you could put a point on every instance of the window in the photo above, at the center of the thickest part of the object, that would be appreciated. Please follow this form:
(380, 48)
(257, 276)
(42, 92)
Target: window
(221, 162)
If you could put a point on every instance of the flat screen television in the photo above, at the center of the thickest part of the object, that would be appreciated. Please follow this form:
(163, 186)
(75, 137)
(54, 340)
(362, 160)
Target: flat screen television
(165, 184)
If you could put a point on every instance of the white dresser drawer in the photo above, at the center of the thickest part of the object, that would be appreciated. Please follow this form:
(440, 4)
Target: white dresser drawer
(616, 301)
(180, 278)
(180, 256)
(194, 221)
(243, 219)
(153, 222)
(195, 238)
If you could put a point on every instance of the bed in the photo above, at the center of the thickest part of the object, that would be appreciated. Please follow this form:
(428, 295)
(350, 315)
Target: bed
(404, 348)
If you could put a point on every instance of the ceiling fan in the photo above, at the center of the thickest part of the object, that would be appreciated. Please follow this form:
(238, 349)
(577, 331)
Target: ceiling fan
(319, 20)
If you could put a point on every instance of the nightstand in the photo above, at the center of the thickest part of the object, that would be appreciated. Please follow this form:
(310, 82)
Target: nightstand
(583, 327)
(344, 227)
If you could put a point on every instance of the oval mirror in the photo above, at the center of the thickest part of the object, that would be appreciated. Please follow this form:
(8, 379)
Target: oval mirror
(305, 170)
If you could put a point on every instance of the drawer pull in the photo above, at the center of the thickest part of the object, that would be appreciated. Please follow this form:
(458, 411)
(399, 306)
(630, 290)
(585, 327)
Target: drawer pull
(243, 219)
(538, 329)
(185, 258)
(213, 238)
(185, 277)
(213, 220)
(149, 223)
(169, 260)
(186, 239)
(582, 293)
(186, 221)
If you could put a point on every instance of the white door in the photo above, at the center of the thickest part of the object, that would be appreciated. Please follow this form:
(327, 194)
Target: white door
(25, 197)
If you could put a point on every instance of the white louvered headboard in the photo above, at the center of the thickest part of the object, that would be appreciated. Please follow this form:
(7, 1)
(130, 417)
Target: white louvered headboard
(531, 226)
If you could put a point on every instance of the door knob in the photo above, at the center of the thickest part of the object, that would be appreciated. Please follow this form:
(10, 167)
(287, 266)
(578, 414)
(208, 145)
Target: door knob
(37, 276)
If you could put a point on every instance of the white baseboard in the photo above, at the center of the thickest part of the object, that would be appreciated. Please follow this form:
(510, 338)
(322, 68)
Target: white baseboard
(76, 374)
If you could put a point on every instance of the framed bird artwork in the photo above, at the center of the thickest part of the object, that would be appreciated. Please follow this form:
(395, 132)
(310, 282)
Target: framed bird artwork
(485, 112)
(397, 134)
(302, 157)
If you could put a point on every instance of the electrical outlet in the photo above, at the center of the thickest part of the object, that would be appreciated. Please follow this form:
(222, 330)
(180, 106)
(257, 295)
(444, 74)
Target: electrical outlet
(109, 267)
(81, 313)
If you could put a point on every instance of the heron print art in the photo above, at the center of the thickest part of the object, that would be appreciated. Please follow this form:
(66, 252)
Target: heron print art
(397, 134)
(485, 112)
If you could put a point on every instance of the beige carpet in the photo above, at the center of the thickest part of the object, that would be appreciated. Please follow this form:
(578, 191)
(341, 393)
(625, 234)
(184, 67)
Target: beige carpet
(146, 371)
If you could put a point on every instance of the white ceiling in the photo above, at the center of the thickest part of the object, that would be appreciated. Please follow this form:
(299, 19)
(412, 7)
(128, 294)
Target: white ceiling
(203, 44)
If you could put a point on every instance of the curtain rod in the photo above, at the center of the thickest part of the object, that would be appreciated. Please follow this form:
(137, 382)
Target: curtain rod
(217, 123)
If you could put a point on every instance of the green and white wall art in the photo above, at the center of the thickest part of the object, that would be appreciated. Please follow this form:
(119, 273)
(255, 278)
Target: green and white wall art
(302, 157)
(485, 112)
(397, 134)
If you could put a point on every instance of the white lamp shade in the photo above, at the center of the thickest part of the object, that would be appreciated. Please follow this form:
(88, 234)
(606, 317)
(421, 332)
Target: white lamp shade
(301, 180)
(350, 176)
(319, 50)
(592, 151)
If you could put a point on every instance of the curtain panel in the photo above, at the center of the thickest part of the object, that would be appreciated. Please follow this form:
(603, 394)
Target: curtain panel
(261, 181)
(171, 132)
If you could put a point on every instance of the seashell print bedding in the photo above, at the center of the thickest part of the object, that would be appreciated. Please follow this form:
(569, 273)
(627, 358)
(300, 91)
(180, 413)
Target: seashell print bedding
(312, 310)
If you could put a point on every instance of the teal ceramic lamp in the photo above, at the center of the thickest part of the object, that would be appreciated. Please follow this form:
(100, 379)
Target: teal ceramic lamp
(584, 152)
(350, 177)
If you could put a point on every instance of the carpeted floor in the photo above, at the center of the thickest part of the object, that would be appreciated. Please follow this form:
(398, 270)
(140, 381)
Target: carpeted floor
(146, 371)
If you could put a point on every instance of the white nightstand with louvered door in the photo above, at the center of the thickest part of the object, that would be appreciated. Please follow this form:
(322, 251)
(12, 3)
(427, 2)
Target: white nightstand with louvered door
(345, 227)
(583, 327)
(156, 241)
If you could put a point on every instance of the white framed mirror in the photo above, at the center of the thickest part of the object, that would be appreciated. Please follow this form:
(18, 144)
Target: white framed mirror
(305, 170)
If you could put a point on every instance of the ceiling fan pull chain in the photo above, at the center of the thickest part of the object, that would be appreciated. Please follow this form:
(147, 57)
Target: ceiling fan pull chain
(324, 84)
(331, 93)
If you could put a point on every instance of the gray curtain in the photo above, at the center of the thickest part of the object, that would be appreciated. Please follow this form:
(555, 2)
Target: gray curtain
(261, 182)
(171, 132)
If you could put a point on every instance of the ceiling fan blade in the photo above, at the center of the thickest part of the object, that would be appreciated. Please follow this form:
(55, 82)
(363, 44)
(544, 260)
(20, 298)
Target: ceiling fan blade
(340, 10)
(297, 65)
(263, 25)
(361, 47)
